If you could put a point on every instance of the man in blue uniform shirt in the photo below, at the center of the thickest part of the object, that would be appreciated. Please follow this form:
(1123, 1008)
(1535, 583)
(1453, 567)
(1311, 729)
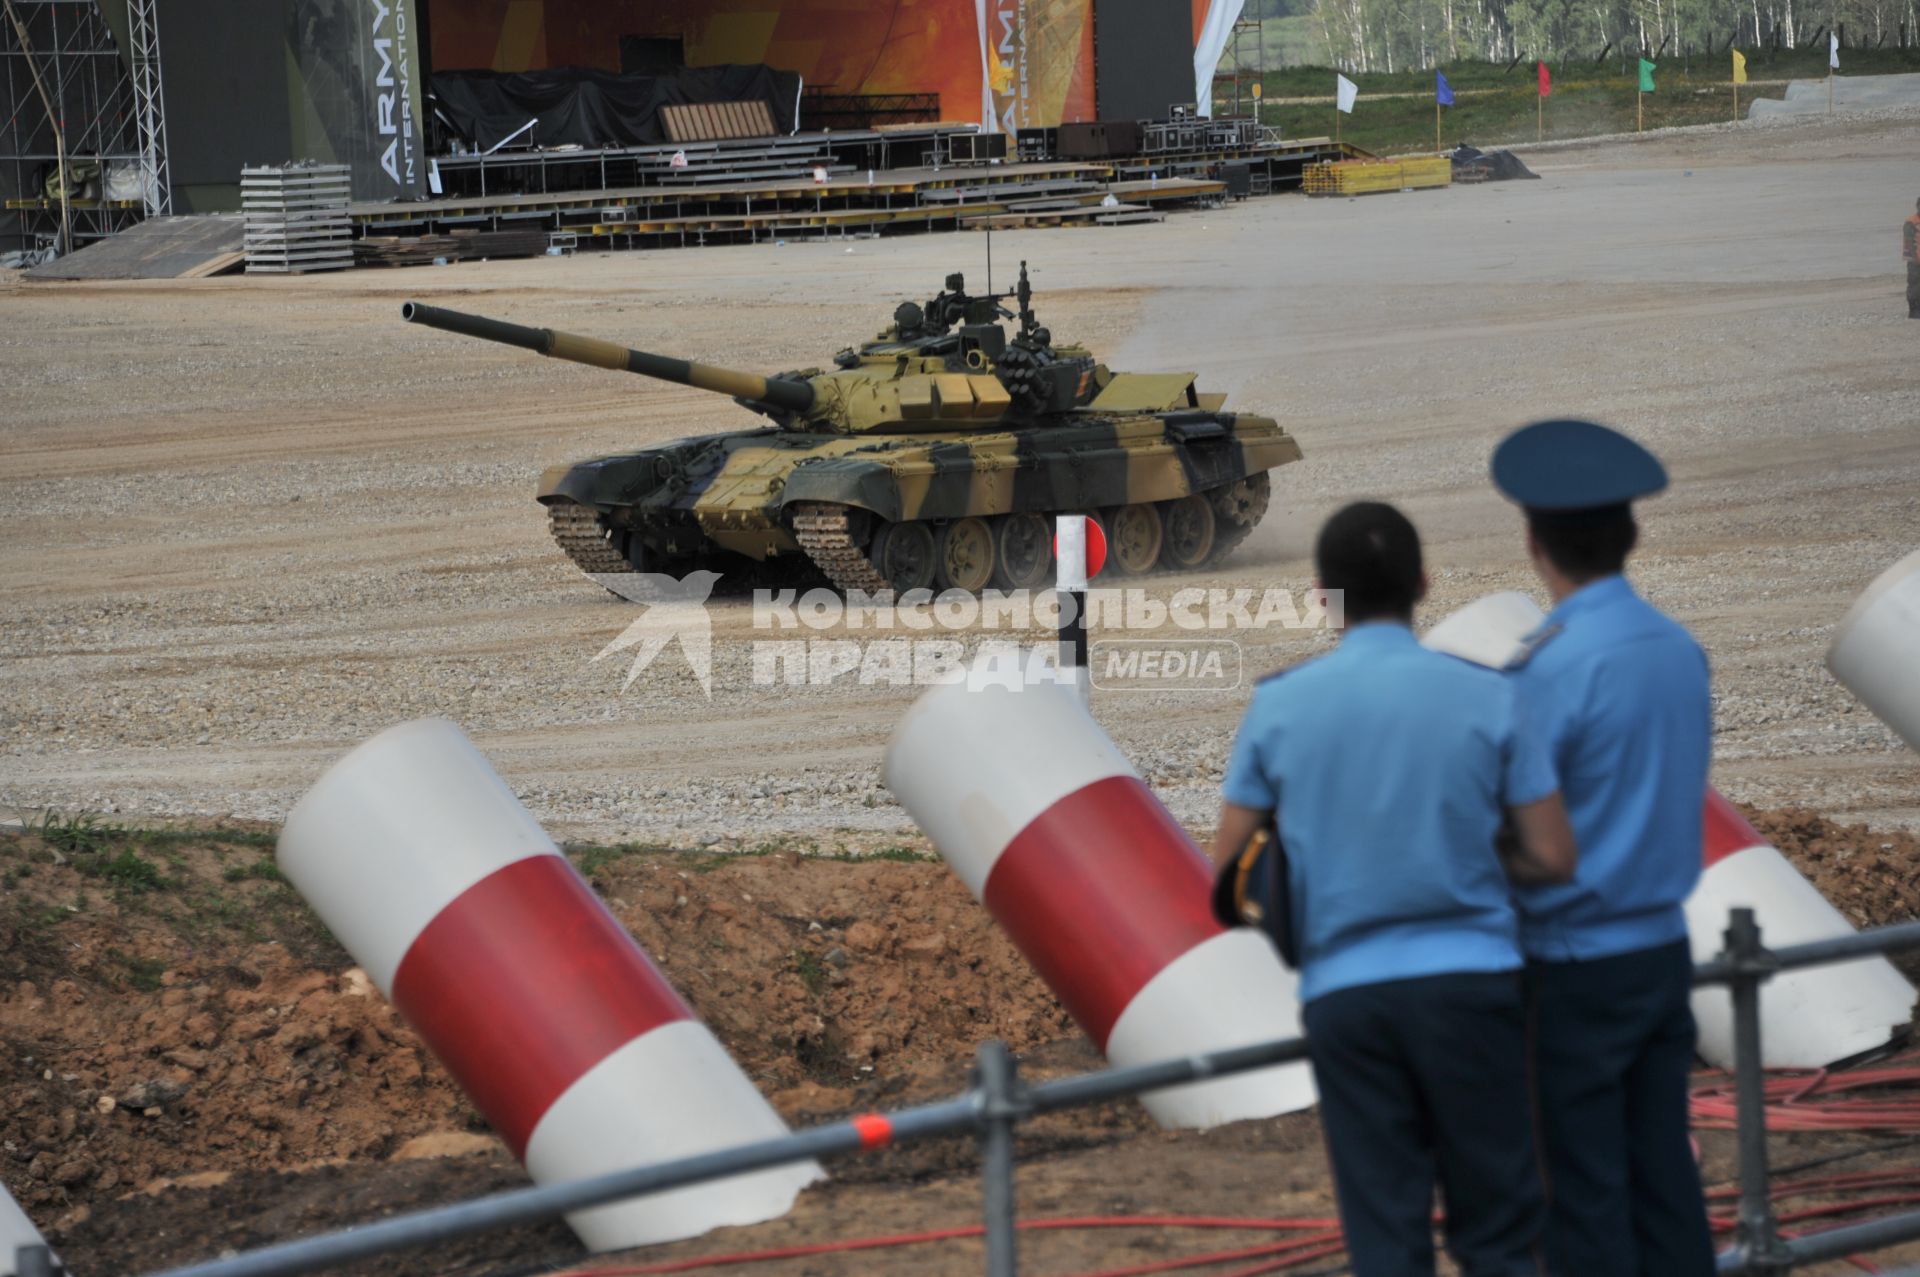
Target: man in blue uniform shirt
(1619, 697)
(1388, 770)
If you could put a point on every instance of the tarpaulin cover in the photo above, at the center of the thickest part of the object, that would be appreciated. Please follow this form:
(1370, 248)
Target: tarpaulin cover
(1470, 163)
(587, 107)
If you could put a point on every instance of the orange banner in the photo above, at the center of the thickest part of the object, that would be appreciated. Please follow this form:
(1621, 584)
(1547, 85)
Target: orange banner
(1010, 63)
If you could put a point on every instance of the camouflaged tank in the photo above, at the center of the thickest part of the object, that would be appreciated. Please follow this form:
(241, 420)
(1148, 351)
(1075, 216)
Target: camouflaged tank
(931, 457)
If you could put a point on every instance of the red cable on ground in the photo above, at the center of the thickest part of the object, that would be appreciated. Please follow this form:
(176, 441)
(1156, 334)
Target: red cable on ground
(1820, 1100)
(803, 1250)
(1302, 1249)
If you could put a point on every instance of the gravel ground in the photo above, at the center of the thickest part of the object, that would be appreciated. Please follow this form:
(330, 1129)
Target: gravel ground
(245, 523)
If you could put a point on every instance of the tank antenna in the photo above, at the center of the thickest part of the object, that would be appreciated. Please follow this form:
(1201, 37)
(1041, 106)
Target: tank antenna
(989, 259)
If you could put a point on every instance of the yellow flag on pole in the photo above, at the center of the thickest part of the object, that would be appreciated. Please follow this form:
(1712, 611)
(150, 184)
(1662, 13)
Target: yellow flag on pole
(1739, 67)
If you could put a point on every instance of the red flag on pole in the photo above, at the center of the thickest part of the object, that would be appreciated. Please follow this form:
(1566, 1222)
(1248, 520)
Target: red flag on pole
(1546, 81)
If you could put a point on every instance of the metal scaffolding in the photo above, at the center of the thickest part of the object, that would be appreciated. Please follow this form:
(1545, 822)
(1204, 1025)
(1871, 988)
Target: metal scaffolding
(149, 107)
(93, 121)
(1236, 75)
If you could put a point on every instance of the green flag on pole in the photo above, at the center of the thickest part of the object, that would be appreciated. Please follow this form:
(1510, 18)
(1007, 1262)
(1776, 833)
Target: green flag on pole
(1646, 76)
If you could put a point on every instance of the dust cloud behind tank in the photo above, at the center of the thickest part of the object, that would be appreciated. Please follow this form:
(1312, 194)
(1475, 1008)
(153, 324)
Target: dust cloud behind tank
(932, 457)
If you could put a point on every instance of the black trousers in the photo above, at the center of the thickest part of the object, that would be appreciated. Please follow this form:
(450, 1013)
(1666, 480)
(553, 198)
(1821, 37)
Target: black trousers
(1913, 290)
(1423, 1082)
(1613, 1043)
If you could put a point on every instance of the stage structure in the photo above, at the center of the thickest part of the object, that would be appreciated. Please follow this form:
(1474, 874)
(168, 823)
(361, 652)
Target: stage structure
(354, 82)
(1003, 64)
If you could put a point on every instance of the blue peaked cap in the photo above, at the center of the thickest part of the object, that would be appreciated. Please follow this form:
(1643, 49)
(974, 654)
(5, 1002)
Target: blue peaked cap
(1574, 465)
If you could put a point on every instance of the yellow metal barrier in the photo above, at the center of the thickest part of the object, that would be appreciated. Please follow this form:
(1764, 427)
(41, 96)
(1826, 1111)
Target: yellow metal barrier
(1364, 177)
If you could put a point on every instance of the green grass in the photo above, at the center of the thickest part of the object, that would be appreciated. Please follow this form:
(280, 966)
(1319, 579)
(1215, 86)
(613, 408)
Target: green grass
(1497, 107)
(812, 971)
(262, 870)
(129, 871)
(142, 974)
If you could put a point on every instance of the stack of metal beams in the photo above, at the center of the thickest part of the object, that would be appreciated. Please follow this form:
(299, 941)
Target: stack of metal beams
(296, 218)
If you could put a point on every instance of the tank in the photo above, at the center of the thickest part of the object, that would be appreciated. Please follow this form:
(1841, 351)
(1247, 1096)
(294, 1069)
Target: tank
(932, 457)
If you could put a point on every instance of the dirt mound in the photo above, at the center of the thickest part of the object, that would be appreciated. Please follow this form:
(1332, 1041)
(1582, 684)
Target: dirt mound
(169, 1010)
(1871, 876)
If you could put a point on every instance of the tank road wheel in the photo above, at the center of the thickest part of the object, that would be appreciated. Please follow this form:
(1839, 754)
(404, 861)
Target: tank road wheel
(1237, 510)
(905, 554)
(1024, 551)
(1134, 534)
(1190, 529)
(966, 556)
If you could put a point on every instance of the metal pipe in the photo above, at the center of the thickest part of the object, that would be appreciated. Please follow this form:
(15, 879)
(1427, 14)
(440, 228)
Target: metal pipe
(537, 1205)
(1861, 944)
(1756, 1239)
(1114, 1084)
(1836, 1243)
(999, 1111)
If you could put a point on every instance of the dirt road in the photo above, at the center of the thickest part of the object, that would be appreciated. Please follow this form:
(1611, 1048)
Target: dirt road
(245, 523)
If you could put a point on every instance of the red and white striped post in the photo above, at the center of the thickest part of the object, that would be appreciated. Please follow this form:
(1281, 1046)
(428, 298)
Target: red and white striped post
(1810, 1017)
(521, 982)
(1876, 649)
(1097, 885)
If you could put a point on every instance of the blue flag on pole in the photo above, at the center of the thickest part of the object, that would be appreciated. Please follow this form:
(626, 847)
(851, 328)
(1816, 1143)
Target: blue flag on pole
(1442, 91)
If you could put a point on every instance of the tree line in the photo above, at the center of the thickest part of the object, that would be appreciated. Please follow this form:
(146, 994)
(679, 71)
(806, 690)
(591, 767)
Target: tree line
(1399, 35)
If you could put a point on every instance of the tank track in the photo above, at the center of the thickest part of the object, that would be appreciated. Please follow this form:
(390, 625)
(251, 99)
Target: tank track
(584, 539)
(1233, 525)
(826, 535)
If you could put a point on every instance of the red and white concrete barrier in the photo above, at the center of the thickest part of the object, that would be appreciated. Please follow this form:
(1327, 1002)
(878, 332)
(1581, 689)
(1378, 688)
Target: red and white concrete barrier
(1098, 886)
(1810, 1017)
(1876, 651)
(553, 1021)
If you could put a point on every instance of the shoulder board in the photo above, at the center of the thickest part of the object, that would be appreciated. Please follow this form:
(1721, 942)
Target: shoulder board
(1530, 644)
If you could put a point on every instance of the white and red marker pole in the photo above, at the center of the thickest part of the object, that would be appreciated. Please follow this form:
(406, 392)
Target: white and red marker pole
(1097, 885)
(1876, 649)
(1810, 1017)
(521, 982)
(1079, 552)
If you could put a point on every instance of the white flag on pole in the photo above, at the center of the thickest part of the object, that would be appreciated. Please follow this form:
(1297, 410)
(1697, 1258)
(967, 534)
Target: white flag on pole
(1345, 91)
(1833, 49)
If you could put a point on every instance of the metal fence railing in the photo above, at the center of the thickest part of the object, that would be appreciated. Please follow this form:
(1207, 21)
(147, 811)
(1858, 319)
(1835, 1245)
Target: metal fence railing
(998, 1102)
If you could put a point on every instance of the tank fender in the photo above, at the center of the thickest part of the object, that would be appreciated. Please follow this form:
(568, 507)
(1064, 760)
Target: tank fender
(604, 481)
(845, 481)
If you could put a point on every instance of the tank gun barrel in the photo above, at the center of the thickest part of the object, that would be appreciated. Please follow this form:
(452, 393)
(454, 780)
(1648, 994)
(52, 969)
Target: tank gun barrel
(776, 392)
